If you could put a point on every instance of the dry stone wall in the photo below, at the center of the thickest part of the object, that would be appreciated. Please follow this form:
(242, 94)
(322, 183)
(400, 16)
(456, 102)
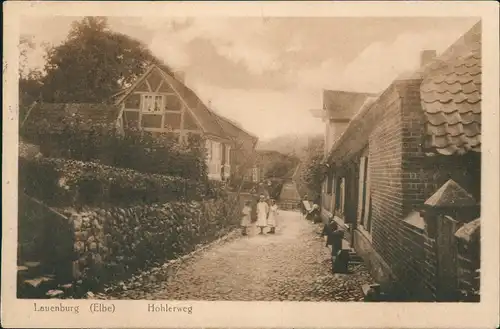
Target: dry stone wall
(113, 243)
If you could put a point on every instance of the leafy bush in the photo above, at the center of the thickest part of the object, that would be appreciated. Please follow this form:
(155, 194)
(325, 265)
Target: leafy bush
(246, 186)
(78, 138)
(161, 154)
(62, 182)
(312, 171)
(275, 188)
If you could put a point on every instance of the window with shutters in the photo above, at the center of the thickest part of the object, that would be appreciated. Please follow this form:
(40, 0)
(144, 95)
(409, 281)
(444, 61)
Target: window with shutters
(341, 197)
(329, 186)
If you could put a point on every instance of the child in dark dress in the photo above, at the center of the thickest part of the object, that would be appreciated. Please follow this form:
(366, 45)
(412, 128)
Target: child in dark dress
(334, 237)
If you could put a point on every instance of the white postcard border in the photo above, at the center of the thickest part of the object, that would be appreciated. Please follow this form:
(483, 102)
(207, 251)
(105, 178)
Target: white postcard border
(131, 314)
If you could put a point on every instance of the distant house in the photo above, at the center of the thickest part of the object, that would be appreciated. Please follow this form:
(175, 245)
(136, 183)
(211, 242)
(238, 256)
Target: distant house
(159, 102)
(404, 163)
(339, 109)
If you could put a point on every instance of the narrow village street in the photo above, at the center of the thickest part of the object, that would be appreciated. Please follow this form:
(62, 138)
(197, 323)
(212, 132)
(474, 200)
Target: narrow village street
(291, 265)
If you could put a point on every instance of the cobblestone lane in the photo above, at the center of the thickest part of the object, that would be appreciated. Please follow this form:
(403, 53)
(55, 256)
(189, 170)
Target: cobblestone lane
(293, 264)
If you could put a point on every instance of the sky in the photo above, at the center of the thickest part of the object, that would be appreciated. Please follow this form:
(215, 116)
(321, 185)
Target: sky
(267, 73)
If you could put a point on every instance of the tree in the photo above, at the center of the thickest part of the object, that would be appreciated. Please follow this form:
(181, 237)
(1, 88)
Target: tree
(93, 63)
(29, 78)
(281, 167)
(312, 170)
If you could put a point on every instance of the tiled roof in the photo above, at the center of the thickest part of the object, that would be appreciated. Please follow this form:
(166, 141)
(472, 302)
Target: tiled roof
(354, 137)
(342, 104)
(202, 112)
(451, 195)
(232, 129)
(56, 114)
(451, 97)
(211, 123)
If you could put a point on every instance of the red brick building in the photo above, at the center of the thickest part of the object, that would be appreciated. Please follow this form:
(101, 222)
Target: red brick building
(422, 132)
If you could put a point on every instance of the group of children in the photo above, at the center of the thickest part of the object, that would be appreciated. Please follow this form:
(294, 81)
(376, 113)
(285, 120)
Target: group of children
(266, 215)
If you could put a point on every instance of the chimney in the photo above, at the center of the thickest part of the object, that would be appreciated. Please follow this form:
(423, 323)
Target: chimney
(180, 75)
(427, 56)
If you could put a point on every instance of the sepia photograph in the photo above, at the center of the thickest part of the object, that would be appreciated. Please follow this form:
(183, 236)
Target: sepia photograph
(270, 158)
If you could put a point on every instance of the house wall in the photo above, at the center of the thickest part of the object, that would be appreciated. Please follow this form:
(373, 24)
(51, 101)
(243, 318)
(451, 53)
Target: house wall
(402, 177)
(214, 158)
(218, 159)
(398, 254)
(173, 115)
(384, 165)
(333, 130)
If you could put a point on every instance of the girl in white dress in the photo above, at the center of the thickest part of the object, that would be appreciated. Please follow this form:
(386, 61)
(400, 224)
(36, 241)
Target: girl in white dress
(262, 213)
(272, 220)
(245, 219)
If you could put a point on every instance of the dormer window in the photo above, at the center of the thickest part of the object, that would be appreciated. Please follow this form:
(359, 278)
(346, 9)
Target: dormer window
(152, 103)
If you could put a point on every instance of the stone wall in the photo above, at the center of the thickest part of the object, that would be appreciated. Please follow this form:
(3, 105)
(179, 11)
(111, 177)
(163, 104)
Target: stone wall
(97, 245)
(113, 243)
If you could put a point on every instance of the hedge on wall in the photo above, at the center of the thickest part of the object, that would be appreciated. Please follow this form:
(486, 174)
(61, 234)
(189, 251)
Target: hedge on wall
(113, 243)
(62, 182)
(161, 153)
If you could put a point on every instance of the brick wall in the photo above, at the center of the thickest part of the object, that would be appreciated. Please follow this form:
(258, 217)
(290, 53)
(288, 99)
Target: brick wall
(415, 190)
(430, 265)
(422, 175)
(416, 263)
(384, 164)
(396, 188)
(402, 178)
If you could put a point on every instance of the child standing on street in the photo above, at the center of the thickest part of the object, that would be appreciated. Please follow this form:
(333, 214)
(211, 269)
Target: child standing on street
(262, 213)
(273, 213)
(245, 219)
(334, 238)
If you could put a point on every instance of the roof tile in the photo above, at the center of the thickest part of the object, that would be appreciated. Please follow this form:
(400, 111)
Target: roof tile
(451, 97)
(462, 108)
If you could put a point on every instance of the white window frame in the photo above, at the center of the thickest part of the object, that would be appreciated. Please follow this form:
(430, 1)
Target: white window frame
(151, 97)
(208, 144)
(217, 156)
(255, 174)
(228, 155)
